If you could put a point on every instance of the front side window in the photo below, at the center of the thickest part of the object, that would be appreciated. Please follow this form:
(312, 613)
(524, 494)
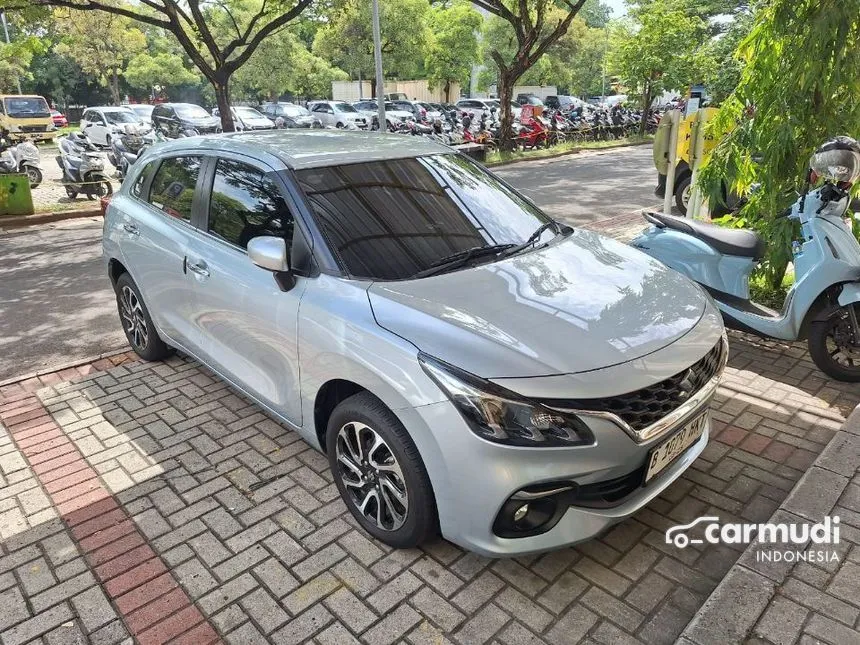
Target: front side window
(173, 186)
(246, 204)
(388, 220)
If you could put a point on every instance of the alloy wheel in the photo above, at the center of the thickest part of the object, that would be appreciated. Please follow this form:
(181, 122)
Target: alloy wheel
(133, 319)
(685, 195)
(372, 476)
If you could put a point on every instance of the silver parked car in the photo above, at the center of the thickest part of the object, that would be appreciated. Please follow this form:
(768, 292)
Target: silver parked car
(467, 364)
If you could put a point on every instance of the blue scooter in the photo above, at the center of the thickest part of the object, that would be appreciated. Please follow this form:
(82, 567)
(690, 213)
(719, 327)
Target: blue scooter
(823, 306)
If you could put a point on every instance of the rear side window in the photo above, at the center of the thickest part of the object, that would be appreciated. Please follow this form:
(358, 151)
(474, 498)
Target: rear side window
(173, 186)
(246, 204)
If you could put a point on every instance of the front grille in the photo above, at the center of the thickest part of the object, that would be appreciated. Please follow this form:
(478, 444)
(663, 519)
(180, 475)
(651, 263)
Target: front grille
(33, 128)
(645, 407)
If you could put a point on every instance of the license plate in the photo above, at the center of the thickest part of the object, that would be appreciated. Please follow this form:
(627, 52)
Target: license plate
(664, 454)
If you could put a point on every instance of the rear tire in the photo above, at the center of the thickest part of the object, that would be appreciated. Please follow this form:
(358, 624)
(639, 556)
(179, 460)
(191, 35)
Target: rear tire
(34, 175)
(362, 421)
(137, 323)
(831, 347)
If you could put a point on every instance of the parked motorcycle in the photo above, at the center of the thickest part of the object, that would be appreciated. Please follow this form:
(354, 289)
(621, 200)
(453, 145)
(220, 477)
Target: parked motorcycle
(125, 149)
(823, 306)
(83, 167)
(22, 158)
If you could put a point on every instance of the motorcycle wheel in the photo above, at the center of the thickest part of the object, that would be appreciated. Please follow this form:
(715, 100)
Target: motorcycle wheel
(833, 348)
(101, 189)
(71, 193)
(34, 175)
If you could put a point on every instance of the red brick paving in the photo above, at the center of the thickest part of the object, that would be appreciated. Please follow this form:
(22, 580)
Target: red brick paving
(110, 540)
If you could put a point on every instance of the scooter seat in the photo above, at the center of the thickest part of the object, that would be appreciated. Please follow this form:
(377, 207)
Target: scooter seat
(729, 241)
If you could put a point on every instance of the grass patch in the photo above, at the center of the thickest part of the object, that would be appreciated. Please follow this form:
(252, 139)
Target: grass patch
(497, 157)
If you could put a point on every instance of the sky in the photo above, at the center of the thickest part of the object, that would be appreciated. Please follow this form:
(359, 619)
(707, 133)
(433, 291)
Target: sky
(618, 8)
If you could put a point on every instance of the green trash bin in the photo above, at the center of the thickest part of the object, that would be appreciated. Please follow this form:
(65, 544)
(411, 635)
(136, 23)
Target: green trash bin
(15, 195)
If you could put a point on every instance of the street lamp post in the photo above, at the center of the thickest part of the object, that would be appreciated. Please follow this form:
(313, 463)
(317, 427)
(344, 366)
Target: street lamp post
(377, 59)
(6, 31)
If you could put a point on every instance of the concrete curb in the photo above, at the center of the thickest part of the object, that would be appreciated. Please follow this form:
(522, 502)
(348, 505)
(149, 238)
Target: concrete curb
(63, 366)
(20, 221)
(735, 606)
(566, 153)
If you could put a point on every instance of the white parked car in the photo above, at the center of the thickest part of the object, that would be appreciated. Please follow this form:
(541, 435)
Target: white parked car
(143, 112)
(101, 124)
(477, 107)
(393, 115)
(247, 118)
(337, 114)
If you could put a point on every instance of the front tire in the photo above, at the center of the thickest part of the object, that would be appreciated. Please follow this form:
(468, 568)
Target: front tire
(137, 323)
(833, 347)
(379, 473)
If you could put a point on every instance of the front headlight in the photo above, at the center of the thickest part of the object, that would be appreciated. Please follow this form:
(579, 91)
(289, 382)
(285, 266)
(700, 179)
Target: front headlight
(501, 416)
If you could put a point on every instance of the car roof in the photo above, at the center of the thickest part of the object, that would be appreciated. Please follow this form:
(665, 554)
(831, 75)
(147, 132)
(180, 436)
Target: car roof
(301, 149)
(109, 108)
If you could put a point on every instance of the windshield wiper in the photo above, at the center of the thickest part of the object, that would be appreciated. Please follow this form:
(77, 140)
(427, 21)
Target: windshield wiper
(534, 237)
(460, 258)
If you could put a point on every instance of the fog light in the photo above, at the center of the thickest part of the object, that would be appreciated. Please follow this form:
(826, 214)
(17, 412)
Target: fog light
(521, 512)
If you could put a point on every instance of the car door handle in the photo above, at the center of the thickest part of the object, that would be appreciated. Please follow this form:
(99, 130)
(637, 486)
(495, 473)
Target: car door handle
(131, 229)
(200, 268)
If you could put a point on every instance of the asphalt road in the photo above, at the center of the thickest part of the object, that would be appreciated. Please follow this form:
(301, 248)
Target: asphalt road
(56, 305)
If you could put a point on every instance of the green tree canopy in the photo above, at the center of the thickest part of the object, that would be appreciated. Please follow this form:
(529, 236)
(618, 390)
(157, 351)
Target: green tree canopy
(799, 86)
(283, 64)
(346, 41)
(452, 45)
(659, 51)
(101, 47)
(218, 37)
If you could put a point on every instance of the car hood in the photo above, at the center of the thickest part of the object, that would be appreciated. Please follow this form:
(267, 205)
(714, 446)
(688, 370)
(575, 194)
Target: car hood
(580, 304)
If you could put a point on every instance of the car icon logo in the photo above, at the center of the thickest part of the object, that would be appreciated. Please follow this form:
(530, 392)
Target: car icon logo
(675, 534)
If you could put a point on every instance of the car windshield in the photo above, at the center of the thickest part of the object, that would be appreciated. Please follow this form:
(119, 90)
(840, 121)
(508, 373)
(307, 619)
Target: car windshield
(121, 116)
(344, 107)
(26, 107)
(191, 112)
(365, 105)
(394, 107)
(295, 110)
(388, 220)
(247, 113)
(142, 110)
(400, 105)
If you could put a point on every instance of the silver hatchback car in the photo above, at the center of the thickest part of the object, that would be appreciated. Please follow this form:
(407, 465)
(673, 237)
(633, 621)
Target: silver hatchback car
(467, 364)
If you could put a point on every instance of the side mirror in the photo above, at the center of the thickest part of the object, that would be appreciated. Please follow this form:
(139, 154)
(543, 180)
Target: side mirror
(270, 253)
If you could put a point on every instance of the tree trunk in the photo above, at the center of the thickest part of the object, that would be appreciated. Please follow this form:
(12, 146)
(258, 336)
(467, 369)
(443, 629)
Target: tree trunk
(114, 87)
(222, 98)
(646, 106)
(447, 91)
(506, 92)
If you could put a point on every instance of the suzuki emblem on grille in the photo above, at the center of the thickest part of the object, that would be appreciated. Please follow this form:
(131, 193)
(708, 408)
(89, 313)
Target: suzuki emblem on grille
(686, 386)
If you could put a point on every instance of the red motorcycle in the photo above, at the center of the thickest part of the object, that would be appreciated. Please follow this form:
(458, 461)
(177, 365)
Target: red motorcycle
(534, 133)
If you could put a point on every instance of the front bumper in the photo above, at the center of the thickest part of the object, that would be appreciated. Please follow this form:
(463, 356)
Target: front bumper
(481, 476)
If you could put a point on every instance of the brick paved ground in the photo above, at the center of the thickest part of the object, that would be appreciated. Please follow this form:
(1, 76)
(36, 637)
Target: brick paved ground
(150, 499)
(803, 602)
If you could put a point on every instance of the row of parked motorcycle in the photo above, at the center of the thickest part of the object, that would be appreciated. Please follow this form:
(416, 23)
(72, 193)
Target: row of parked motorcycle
(530, 130)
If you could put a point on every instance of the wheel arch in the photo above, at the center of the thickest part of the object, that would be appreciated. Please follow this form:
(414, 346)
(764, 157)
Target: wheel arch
(115, 270)
(328, 397)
